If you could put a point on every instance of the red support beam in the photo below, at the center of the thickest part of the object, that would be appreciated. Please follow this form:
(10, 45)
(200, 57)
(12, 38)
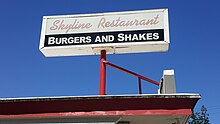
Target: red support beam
(102, 90)
(131, 73)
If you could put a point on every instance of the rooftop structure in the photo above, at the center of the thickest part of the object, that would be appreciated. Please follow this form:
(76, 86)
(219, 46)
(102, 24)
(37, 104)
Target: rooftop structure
(129, 109)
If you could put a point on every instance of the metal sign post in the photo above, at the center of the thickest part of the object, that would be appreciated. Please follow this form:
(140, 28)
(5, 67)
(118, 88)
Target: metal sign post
(102, 73)
(104, 62)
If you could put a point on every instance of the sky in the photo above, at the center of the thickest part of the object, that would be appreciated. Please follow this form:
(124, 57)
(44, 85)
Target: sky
(193, 53)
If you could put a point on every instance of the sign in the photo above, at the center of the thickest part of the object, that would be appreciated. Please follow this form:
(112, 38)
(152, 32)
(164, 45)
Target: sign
(117, 32)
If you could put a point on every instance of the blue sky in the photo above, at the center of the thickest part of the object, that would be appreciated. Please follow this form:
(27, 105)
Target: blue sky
(194, 52)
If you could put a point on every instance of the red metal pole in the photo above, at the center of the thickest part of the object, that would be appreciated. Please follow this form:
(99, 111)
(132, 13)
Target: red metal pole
(102, 90)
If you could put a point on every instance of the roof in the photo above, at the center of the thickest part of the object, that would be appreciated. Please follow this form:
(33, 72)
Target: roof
(115, 106)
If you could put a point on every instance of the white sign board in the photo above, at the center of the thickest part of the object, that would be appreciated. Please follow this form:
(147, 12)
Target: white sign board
(117, 32)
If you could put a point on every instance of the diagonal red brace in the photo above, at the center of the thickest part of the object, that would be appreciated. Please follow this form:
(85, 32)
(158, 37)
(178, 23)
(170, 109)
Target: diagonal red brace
(131, 73)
